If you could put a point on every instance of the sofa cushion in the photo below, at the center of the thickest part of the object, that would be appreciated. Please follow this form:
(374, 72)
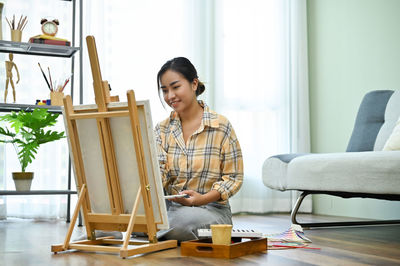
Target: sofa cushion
(374, 172)
(370, 118)
(392, 114)
(393, 143)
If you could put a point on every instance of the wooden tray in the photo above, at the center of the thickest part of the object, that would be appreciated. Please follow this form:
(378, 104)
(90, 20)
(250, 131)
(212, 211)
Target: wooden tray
(205, 248)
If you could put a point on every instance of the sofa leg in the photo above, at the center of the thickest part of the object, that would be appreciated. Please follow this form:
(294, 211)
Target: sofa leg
(297, 206)
(330, 224)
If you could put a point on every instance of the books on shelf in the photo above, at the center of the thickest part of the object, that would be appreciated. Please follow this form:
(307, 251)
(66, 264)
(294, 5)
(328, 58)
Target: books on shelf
(45, 39)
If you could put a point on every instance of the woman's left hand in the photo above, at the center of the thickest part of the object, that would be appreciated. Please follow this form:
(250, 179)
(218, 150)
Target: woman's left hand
(194, 199)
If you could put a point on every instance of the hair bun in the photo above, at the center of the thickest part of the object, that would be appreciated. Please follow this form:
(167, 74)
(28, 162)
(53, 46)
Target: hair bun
(200, 88)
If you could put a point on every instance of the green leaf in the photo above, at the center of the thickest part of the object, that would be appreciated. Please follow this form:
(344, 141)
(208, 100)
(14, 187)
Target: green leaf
(39, 114)
(14, 120)
(26, 135)
(43, 137)
(27, 153)
(6, 132)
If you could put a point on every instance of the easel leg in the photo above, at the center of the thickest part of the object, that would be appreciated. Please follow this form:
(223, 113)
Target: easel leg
(131, 221)
(56, 248)
(144, 180)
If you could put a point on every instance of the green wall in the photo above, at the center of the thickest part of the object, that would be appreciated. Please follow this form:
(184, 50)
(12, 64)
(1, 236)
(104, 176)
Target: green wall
(354, 47)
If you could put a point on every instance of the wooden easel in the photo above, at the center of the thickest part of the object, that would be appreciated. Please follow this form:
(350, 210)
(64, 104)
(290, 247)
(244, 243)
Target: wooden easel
(117, 220)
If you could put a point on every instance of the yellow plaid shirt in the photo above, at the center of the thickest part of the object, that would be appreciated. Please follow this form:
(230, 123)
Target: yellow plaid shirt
(211, 158)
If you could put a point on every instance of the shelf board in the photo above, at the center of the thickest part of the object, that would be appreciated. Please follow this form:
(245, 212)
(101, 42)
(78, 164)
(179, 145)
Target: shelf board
(37, 49)
(8, 107)
(36, 192)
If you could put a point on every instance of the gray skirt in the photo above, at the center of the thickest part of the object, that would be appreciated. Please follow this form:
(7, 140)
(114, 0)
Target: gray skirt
(184, 220)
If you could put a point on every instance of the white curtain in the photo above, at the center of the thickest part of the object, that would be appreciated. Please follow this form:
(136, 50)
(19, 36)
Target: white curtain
(298, 87)
(134, 39)
(262, 88)
(252, 56)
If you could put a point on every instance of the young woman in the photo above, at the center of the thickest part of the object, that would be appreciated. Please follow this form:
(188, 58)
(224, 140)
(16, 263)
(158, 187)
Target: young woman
(199, 154)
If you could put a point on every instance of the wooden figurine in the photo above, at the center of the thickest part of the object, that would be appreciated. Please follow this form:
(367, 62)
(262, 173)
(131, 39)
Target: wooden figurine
(9, 79)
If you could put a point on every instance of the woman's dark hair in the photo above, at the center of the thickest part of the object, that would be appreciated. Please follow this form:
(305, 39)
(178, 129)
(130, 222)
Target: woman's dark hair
(183, 66)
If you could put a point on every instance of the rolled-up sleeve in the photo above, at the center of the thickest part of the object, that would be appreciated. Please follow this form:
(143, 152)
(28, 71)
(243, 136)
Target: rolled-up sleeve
(162, 155)
(231, 168)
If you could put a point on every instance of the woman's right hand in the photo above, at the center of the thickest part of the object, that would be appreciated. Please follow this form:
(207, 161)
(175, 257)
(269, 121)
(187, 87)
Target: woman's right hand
(197, 199)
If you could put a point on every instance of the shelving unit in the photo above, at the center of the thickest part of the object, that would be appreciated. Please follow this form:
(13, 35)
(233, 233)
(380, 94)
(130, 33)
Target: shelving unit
(35, 49)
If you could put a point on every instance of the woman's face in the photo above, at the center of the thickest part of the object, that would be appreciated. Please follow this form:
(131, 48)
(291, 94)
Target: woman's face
(177, 91)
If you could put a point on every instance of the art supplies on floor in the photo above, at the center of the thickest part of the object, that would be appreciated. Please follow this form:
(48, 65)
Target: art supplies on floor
(235, 233)
(294, 237)
(293, 234)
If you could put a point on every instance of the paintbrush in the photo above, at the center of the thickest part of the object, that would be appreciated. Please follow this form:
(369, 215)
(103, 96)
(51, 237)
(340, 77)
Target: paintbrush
(44, 76)
(51, 83)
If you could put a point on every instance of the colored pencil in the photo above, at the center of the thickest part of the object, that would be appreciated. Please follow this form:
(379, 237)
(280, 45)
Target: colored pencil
(284, 246)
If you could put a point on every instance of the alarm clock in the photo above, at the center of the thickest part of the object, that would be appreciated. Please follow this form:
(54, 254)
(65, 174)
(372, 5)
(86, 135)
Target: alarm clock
(49, 27)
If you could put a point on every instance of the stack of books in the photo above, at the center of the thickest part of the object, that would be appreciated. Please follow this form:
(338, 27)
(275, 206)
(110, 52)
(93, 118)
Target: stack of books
(46, 39)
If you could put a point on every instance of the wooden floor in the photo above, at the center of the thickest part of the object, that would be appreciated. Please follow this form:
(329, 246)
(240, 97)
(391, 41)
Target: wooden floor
(27, 242)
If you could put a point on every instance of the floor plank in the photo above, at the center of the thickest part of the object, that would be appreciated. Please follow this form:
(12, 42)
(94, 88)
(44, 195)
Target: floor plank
(27, 242)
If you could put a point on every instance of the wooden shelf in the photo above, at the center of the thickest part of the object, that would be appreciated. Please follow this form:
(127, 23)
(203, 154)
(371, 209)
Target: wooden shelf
(9, 107)
(37, 192)
(37, 49)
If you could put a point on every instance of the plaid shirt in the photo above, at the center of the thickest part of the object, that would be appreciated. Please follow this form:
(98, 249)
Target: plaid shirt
(211, 158)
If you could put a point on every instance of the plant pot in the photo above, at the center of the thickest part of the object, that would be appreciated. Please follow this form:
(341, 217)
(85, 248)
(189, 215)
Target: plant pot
(22, 180)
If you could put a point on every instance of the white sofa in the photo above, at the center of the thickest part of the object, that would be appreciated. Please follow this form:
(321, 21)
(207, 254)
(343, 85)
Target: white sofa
(364, 170)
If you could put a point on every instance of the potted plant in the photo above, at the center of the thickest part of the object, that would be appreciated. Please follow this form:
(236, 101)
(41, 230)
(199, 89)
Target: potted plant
(27, 132)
